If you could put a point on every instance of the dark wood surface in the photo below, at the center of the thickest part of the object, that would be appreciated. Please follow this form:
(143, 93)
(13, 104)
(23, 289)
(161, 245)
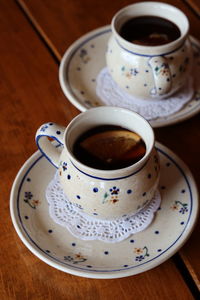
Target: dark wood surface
(34, 35)
(194, 5)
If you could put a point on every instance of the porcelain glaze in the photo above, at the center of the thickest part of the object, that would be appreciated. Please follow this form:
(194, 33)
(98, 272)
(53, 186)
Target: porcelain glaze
(106, 194)
(57, 247)
(150, 71)
(79, 80)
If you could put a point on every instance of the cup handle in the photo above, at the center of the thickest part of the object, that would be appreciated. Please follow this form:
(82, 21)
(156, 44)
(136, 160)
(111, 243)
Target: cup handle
(161, 74)
(49, 149)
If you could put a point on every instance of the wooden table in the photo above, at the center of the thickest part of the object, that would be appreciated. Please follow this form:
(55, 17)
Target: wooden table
(34, 35)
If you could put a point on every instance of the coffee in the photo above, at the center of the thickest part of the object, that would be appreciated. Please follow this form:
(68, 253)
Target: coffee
(109, 147)
(149, 31)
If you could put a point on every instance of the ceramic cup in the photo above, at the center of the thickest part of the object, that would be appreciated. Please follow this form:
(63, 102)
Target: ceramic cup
(105, 194)
(149, 72)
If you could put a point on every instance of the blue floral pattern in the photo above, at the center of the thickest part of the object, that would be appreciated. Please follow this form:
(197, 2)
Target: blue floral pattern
(44, 128)
(77, 258)
(163, 69)
(64, 166)
(114, 190)
(180, 206)
(28, 198)
(142, 253)
(111, 196)
(84, 56)
(135, 257)
(130, 72)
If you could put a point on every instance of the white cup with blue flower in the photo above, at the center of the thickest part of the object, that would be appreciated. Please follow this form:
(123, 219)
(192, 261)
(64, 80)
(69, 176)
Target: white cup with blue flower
(146, 61)
(102, 193)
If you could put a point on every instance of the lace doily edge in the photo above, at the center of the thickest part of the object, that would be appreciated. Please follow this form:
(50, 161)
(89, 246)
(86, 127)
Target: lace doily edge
(153, 205)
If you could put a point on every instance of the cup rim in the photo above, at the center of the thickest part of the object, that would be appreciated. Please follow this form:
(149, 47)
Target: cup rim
(89, 170)
(143, 48)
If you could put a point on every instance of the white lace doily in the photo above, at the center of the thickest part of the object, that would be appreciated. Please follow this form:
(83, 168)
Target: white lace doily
(111, 94)
(85, 227)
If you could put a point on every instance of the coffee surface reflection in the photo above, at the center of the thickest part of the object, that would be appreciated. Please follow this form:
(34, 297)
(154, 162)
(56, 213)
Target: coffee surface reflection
(149, 31)
(109, 147)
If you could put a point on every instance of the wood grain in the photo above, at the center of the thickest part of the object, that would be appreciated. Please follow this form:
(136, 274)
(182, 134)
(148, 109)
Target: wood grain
(29, 96)
(195, 6)
(65, 21)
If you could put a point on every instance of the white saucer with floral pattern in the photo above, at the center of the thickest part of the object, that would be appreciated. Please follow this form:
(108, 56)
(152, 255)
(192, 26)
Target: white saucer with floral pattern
(82, 63)
(53, 244)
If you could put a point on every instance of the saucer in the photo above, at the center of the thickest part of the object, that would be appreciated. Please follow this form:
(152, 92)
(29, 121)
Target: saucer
(53, 244)
(84, 60)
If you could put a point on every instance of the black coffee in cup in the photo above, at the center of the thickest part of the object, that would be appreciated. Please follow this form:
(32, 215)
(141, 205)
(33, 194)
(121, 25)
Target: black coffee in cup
(109, 147)
(149, 31)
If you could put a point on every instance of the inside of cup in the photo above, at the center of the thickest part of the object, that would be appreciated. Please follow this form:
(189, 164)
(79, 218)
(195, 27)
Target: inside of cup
(109, 116)
(158, 9)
